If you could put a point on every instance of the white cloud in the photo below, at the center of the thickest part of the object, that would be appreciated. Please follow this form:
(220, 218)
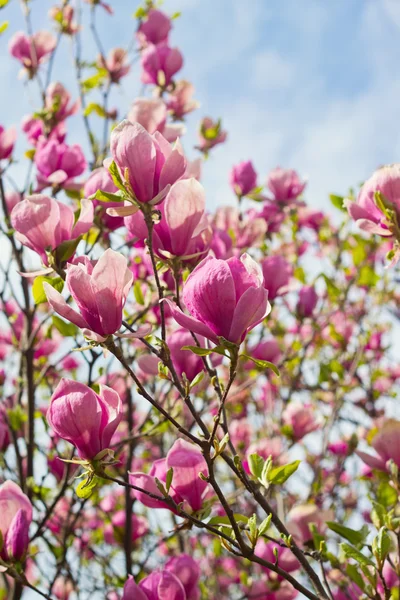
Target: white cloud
(271, 71)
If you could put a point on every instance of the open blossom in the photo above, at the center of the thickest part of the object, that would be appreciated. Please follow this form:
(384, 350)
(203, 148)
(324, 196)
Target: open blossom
(85, 419)
(183, 230)
(277, 273)
(100, 179)
(151, 113)
(180, 102)
(187, 463)
(63, 588)
(187, 570)
(35, 130)
(116, 64)
(58, 102)
(64, 17)
(211, 134)
(160, 63)
(159, 585)
(302, 516)
(246, 229)
(154, 28)
(365, 211)
(7, 141)
(99, 289)
(153, 164)
(224, 298)
(385, 444)
(15, 519)
(243, 178)
(285, 184)
(43, 223)
(300, 419)
(58, 164)
(32, 50)
(307, 302)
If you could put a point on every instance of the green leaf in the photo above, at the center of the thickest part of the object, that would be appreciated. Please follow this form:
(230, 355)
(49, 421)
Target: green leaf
(94, 81)
(353, 536)
(355, 576)
(386, 494)
(175, 15)
(86, 488)
(168, 478)
(4, 26)
(224, 520)
(140, 13)
(337, 201)
(4, 3)
(66, 329)
(351, 552)
(115, 176)
(66, 249)
(256, 465)
(93, 107)
(198, 351)
(264, 526)
(137, 292)
(279, 475)
(381, 545)
(39, 295)
(263, 364)
(332, 289)
(106, 197)
(367, 276)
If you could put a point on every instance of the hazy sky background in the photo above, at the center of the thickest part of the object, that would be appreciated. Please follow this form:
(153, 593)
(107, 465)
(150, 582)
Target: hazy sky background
(310, 84)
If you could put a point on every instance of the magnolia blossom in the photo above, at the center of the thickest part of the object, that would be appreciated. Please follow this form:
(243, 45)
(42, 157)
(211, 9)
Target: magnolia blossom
(211, 134)
(385, 444)
(85, 419)
(100, 179)
(43, 223)
(285, 184)
(243, 178)
(368, 215)
(154, 28)
(58, 164)
(225, 299)
(151, 163)
(302, 516)
(58, 102)
(35, 130)
(300, 419)
(156, 586)
(151, 113)
(7, 141)
(160, 63)
(183, 230)
(99, 289)
(187, 463)
(32, 50)
(180, 102)
(116, 64)
(64, 17)
(277, 273)
(15, 519)
(307, 302)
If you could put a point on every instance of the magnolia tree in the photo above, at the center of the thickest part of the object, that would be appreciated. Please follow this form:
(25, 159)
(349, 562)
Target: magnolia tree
(194, 405)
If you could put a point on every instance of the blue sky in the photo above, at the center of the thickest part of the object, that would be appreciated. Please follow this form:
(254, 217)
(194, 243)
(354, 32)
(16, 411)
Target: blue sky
(307, 84)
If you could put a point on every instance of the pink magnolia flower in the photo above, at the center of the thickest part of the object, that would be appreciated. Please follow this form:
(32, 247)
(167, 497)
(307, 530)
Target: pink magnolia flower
(277, 273)
(163, 584)
(183, 230)
(100, 179)
(58, 164)
(385, 443)
(116, 64)
(365, 211)
(35, 130)
(107, 7)
(32, 50)
(151, 113)
(7, 141)
(184, 361)
(99, 289)
(58, 101)
(268, 350)
(285, 184)
(12, 198)
(85, 419)
(270, 590)
(247, 230)
(225, 299)
(153, 164)
(15, 519)
(64, 17)
(160, 63)
(300, 419)
(187, 570)
(63, 588)
(243, 178)
(180, 102)
(43, 223)
(211, 134)
(114, 533)
(307, 302)
(132, 591)
(286, 558)
(154, 28)
(187, 463)
(302, 516)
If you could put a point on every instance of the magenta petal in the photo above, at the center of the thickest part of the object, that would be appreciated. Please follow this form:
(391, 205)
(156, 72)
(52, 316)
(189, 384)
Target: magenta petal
(85, 220)
(60, 306)
(374, 462)
(251, 309)
(190, 323)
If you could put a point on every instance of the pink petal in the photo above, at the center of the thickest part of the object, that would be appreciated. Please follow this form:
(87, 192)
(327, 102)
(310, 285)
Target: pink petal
(60, 306)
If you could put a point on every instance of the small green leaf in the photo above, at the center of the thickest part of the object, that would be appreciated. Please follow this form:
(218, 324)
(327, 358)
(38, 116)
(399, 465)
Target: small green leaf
(337, 201)
(137, 292)
(115, 176)
(381, 545)
(66, 329)
(353, 536)
(106, 197)
(355, 576)
(279, 475)
(263, 364)
(168, 478)
(4, 26)
(256, 465)
(264, 526)
(66, 249)
(197, 350)
(386, 494)
(223, 520)
(94, 107)
(38, 292)
(351, 552)
(86, 488)
(4, 3)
